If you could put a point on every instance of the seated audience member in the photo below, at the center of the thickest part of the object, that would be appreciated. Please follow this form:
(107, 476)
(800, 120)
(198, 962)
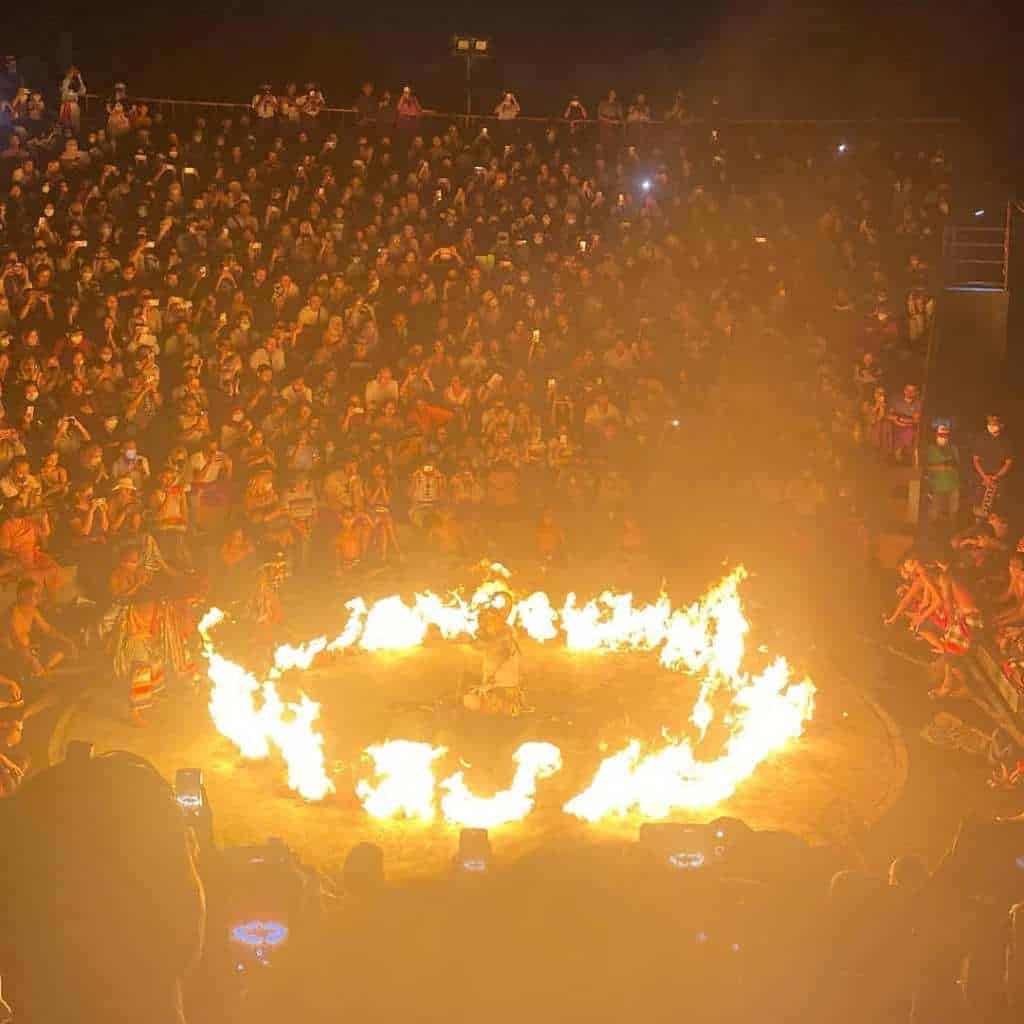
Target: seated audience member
(22, 535)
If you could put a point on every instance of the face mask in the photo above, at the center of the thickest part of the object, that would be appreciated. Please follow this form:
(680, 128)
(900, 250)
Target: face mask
(994, 430)
(106, 357)
(31, 396)
(238, 417)
(942, 441)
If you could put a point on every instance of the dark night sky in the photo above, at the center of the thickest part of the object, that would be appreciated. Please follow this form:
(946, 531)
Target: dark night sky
(785, 58)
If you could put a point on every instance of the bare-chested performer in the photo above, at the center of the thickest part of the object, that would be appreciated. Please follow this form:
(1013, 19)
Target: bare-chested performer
(24, 621)
(939, 624)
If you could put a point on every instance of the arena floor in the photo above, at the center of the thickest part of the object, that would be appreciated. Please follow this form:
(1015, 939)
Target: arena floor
(846, 771)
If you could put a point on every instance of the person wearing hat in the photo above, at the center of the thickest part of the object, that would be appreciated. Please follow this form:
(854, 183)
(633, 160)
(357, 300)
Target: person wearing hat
(942, 477)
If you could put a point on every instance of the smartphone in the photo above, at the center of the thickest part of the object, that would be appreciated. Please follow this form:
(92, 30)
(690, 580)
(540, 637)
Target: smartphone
(474, 854)
(190, 170)
(583, 245)
(188, 788)
(152, 303)
(536, 335)
(150, 245)
(140, 158)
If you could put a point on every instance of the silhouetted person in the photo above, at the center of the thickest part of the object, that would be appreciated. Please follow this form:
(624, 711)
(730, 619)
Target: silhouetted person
(104, 909)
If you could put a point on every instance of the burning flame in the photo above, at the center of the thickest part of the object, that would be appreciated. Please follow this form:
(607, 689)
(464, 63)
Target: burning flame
(533, 760)
(253, 726)
(705, 640)
(407, 782)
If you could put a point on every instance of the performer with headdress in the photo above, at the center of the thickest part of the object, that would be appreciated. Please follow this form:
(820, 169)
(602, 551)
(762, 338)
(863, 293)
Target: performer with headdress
(500, 690)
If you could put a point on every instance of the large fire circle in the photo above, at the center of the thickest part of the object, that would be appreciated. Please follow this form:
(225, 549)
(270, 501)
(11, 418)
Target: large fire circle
(749, 711)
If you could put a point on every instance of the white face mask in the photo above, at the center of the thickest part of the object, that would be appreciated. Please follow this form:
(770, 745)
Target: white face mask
(942, 441)
(994, 429)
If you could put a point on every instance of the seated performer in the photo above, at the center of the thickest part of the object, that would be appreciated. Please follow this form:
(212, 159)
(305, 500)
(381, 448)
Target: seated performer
(447, 535)
(550, 537)
(500, 690)
(24, 622)
(350, 540)
(942, 625)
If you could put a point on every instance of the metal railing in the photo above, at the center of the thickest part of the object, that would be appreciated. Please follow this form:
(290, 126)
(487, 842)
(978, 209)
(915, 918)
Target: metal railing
(340, 118)
(978, 257)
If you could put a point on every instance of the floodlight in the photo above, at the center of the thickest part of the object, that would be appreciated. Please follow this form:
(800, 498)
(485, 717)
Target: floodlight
(470, 48)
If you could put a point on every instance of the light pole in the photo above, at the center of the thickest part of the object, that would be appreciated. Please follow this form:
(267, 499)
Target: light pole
(470, 48)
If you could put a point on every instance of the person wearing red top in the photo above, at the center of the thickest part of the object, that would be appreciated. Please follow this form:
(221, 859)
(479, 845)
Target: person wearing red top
(427, 417)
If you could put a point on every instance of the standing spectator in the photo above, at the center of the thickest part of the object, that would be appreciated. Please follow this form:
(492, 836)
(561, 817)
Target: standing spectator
(905, 417)
(387, 115)
(992, 459)
(637, 116)
(574, 113)
(288, 105)
(507, 110)
(311, 103)
(366, 107)
(609, 117)
(409, 111)
(942, 475)
(265, 105)
(72, 92)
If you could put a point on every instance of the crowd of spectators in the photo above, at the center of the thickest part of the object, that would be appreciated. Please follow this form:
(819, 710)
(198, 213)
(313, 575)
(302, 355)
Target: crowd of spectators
(231, 345)
(262, 341)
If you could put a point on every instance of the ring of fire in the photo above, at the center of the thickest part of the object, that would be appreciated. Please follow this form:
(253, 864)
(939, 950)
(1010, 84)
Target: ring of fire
(761, 713)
